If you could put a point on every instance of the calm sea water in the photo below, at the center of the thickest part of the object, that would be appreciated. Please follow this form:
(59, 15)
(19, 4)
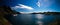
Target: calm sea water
(33, 19)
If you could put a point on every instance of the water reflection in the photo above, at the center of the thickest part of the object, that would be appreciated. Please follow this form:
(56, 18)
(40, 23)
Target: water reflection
(25, 19)
(33, 19)
(39, 23)
(39, 17)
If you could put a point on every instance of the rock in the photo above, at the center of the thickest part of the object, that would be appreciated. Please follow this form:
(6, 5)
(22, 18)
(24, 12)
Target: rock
(5, 10)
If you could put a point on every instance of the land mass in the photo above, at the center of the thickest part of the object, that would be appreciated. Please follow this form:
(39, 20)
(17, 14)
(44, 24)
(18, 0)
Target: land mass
(47, 13)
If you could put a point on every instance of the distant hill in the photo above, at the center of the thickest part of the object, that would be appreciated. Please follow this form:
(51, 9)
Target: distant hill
(47, 13)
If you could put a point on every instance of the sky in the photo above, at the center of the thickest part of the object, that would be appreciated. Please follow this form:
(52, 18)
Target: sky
(32, 5)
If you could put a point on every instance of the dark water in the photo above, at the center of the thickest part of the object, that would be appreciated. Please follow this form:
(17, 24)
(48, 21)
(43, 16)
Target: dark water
(33, 19)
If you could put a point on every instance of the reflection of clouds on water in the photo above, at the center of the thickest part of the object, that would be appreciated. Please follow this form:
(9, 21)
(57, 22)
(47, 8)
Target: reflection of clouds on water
(39, 16)
(39, 22)
(38, 19)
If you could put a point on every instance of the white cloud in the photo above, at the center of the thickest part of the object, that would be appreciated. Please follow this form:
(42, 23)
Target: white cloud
(38, 3)
(25, 12)
(23, 7)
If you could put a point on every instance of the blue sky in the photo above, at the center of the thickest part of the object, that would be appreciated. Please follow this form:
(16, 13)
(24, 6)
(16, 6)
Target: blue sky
(33, 5)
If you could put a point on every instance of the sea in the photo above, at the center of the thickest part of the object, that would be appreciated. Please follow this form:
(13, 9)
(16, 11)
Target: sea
(33, 19)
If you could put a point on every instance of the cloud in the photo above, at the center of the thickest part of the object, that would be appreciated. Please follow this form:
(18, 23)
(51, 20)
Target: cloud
(44, 3)
(23, 7)
(38, 3)
(26, 12)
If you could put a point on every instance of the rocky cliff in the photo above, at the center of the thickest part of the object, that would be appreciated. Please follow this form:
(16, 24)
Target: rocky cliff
(5, 10)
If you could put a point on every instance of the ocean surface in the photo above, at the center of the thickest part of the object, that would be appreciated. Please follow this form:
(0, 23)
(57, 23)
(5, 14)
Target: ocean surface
(33, 19)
